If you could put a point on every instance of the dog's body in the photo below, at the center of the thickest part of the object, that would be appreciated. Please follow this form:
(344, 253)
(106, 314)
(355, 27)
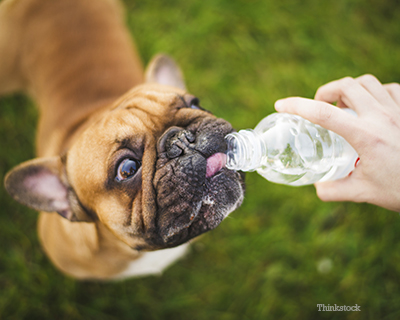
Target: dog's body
(128, 172)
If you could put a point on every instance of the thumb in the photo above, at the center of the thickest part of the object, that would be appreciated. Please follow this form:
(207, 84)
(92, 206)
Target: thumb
(346, 189)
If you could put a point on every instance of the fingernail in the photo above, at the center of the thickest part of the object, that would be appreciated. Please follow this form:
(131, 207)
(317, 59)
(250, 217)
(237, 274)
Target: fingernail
(357, 161)
(278, 105)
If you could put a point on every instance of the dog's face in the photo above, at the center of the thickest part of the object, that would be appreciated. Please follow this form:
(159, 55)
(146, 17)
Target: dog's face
(150, 168)
(142, 168)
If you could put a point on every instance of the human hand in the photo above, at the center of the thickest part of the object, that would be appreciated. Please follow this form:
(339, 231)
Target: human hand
(374, 134)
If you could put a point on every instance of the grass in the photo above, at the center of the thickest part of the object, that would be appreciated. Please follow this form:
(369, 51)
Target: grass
(284, 251)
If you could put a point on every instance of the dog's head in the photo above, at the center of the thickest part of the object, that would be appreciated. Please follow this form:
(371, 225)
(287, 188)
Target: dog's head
(150, 167)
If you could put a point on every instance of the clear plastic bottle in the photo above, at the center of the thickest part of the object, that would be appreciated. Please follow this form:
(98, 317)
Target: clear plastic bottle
(288, 149)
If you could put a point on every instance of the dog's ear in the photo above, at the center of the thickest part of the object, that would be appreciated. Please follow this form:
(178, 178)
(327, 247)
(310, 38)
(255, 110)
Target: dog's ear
(163, 70)
(38, 184)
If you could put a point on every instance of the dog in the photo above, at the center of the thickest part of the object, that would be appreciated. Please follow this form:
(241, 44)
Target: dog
(130, 167)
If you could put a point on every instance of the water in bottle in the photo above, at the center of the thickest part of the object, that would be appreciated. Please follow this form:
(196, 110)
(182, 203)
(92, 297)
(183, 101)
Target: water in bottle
(288, 149)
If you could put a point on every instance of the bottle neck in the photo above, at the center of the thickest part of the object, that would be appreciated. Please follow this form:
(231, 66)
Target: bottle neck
(244, 150)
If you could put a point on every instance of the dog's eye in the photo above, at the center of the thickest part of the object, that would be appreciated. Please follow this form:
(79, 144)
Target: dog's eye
(127, 169)
(195, 103)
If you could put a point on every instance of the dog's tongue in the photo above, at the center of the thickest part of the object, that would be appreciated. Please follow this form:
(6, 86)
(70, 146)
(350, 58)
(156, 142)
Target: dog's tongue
(215, 163)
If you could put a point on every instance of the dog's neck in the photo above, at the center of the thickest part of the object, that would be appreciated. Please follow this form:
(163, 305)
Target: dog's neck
(106, 63)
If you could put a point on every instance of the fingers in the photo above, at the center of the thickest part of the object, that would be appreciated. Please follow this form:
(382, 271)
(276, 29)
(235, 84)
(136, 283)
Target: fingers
(350, 92)
(377, 90)
(347, 189)
(393, 90)
(362, 94)
(321, 113)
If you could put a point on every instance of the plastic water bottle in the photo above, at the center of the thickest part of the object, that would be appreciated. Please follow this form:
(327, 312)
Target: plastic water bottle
(287, 149)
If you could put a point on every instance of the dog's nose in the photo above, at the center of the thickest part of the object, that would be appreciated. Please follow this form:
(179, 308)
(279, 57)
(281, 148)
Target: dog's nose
(175, 141)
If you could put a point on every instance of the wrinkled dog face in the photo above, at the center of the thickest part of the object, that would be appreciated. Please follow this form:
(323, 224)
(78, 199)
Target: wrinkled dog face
(156, 158)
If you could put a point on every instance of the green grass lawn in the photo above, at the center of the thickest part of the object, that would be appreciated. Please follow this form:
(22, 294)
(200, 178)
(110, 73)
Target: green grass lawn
(284, 251)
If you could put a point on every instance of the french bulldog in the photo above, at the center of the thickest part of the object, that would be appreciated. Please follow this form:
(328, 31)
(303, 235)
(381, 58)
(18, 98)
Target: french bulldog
(130, 167)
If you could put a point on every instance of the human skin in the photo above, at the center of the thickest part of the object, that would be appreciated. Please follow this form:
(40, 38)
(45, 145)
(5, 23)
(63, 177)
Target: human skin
(374, 133)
